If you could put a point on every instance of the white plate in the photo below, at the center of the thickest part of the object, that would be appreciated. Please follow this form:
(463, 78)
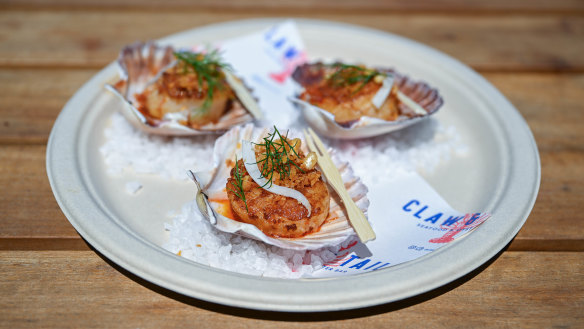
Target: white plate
(501, 174)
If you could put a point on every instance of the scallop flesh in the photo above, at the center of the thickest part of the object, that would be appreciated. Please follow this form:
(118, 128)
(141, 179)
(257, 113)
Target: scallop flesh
(166, 96)
(350, 101)
(213, 202)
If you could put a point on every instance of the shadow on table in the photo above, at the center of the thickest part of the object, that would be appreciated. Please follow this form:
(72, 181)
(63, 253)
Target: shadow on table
(304, 316)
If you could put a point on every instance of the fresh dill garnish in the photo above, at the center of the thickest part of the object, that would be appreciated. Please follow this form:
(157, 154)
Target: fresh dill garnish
(346, 74)
(208, 68)
(276, 157)
(238, 185)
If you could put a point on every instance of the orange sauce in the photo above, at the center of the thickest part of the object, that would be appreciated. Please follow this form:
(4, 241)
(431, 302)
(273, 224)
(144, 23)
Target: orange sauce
(331, 218)
(224, 208)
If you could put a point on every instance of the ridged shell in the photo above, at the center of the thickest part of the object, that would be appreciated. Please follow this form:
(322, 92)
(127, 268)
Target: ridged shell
(140, 63)
(324, 122)
(335, 230)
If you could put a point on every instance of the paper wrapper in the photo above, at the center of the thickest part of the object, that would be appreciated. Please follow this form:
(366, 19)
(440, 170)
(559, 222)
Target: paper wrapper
(408, 216)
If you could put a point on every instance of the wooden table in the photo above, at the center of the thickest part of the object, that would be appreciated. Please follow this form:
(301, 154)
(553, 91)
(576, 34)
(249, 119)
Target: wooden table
(531, 50)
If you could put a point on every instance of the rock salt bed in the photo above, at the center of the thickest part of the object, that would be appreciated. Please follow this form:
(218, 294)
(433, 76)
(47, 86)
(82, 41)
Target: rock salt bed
(420, 147)
(376, 160)
(198, 241)
(127, 148)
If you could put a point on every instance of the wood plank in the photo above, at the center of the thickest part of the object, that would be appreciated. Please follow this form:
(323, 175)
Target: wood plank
(79, 289)
(24, 97)
(28, 209)
(489, 43)
(450, 6)
(558, 209)
(74, 242)
(30, 101)
(552, 105)
(27, 206)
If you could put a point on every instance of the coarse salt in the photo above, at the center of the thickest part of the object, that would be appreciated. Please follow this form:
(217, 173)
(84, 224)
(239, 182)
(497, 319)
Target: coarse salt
(422, 146)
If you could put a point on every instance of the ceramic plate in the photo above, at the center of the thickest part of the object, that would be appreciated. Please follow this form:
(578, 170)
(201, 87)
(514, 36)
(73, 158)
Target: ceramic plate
(501, 174)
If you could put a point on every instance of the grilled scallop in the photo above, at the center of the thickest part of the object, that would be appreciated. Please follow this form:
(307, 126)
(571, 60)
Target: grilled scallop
(169, 92)
(346, 91)
(277, 215)
(353, 101)
(179, 92)
(276, 219)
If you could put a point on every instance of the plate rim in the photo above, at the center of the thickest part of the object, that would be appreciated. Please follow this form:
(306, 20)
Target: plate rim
(251, 291)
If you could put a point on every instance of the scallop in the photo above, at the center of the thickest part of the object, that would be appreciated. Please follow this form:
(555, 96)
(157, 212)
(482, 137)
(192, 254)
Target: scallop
(402, 100)
(151, 87)
(213, 202)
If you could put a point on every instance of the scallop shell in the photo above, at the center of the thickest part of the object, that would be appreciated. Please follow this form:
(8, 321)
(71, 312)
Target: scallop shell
(141, 63)
(418, 91)
(336, 228)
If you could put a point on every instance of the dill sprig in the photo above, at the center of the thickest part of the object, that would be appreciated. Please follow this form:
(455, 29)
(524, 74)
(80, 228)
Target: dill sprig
(238, 185)
(346, 74)
(208, 68)
(276, 156)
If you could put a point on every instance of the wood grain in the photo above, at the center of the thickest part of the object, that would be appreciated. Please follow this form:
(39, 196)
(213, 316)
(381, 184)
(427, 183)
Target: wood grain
(29, 106)
(79, 289)
(449, 6)
(73, 242)
(30, 101)
(552, 105)
(561, 188)
(27, 206)
(557, 213)
(530, 50)
(82, 39)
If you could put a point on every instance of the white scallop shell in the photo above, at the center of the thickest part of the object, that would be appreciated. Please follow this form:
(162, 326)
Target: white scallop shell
(418, 91)
(334, 231)
(141, 63)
